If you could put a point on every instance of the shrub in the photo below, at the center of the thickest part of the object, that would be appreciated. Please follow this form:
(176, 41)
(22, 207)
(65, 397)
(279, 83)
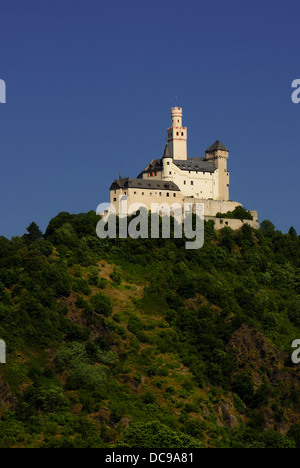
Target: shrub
(244, 387)
(81, 285)
(88, 377)
(101, 304)
(156, 435)
(93, 277)
(71, 355)
(116, 275)
(238, 213)
(195, 428)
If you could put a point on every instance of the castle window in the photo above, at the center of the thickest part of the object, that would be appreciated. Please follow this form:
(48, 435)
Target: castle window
(160, 194)
(192, 182)
(170, 172)
(115, 199)
(174, 194)
(177, 133)
(184, 182)
(168, 194)
(168, 163)
(134, 193)
(143, 193)
(182, 133)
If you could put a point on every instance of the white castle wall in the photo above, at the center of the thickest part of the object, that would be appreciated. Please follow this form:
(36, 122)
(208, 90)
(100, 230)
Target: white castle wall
(212, 207)
(144, 197)
(234, 224)
(191, 183)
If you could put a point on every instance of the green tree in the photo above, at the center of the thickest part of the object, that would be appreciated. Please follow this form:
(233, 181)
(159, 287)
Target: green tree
(34, 233)
(293, 233)
(267, 228)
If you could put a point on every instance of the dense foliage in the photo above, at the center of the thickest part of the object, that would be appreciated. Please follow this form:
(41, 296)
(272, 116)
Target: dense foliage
(238, 213)
(128, 343)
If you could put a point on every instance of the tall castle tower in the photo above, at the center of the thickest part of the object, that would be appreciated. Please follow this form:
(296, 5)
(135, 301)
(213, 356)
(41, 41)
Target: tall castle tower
(177, 135)
(218, 154)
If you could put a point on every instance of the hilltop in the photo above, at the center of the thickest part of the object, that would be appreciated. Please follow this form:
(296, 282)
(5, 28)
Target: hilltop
(139, 343)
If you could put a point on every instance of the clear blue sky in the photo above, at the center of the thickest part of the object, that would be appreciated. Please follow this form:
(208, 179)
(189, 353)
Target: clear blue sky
(90, 85)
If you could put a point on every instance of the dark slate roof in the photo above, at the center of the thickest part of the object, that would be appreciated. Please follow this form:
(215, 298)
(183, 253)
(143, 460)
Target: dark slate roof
(155, 165)
(195, 164)
(191, 164)
(144, 184)
(216, 146)
(167, 153)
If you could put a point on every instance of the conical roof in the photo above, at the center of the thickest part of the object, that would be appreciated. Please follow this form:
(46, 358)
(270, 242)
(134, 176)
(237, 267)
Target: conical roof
(167, 153)
(216, 146)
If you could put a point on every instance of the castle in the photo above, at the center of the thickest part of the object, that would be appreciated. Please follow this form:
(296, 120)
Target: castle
(177, 178)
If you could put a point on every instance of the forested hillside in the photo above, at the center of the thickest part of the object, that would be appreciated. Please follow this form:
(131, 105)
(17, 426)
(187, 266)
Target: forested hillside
(142, 343)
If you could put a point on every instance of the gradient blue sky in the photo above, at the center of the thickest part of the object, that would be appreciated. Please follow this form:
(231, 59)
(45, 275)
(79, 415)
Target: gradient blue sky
(90, 85)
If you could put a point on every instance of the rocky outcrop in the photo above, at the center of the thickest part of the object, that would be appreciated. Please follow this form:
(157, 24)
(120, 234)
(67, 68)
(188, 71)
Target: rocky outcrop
(227, 414)
(255, 355)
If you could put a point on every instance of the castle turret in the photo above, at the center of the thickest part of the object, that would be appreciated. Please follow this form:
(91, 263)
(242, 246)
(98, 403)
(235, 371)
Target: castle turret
(167, 163)
(177, 135)
(218, 154)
